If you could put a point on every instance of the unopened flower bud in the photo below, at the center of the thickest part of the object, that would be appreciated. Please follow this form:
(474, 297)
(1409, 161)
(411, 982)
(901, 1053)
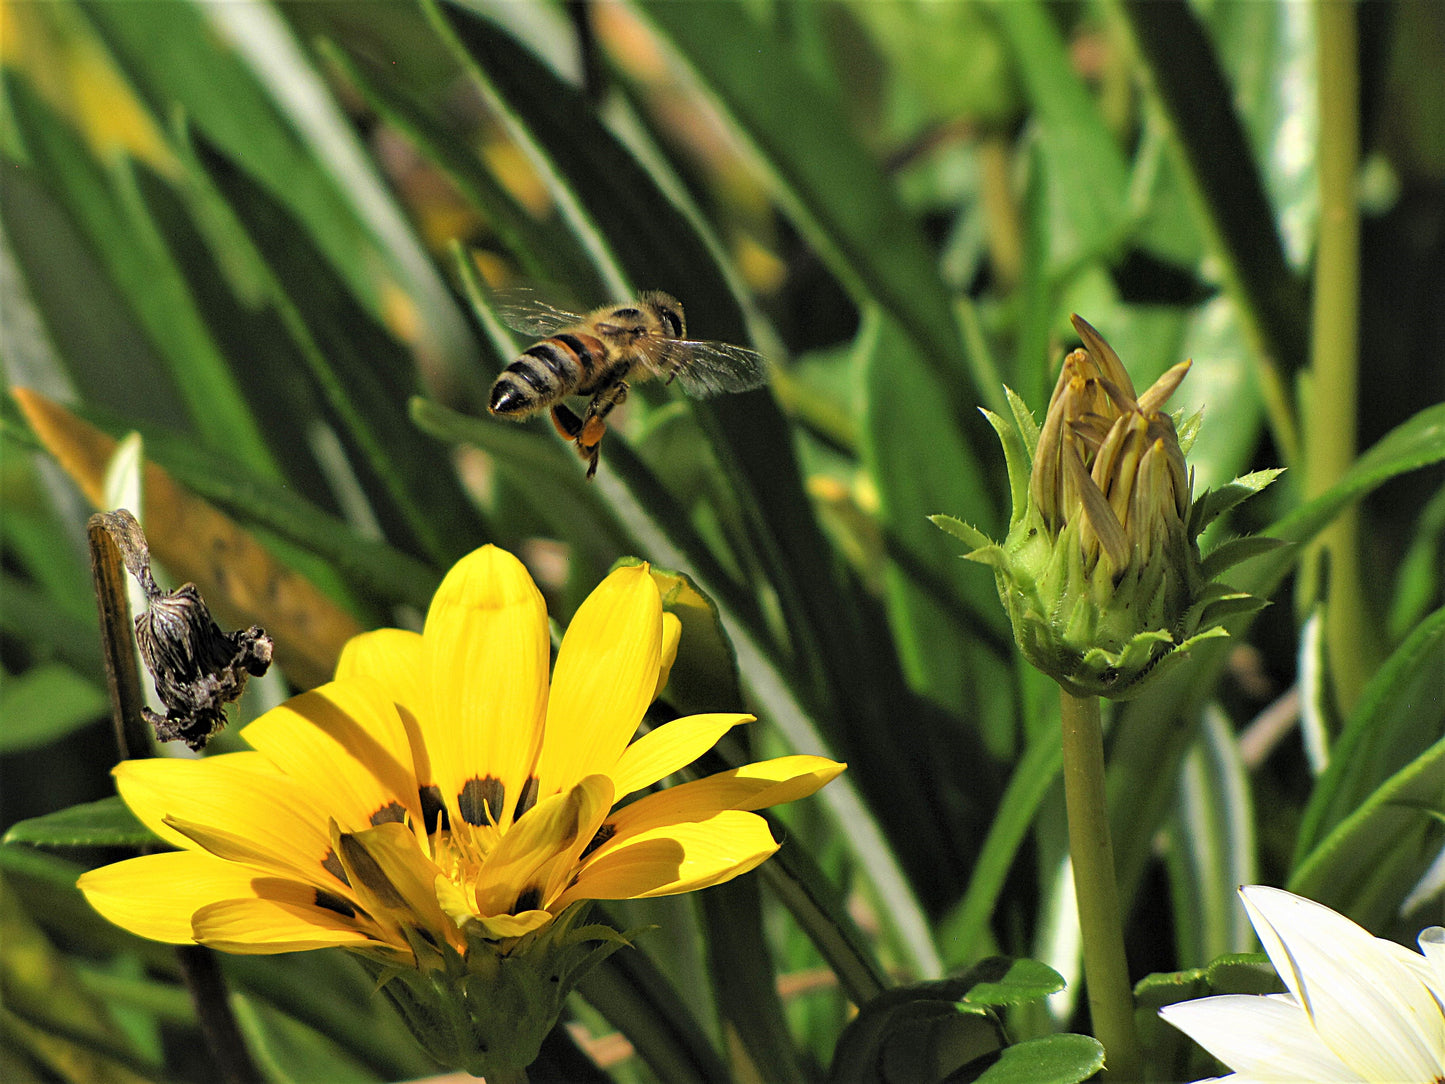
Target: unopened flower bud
(1101, 572)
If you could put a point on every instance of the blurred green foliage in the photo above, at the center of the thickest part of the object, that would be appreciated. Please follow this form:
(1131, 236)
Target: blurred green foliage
(268, 236)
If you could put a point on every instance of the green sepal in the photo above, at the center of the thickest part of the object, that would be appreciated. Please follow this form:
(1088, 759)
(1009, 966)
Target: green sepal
(1186, 429)
(487, 1012)
(1024, 419)
(1228, 554)
(1214, 502)
(969, 536)
(1017, 459)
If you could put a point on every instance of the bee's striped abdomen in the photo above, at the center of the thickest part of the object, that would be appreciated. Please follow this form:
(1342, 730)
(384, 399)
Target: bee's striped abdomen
(547, 372)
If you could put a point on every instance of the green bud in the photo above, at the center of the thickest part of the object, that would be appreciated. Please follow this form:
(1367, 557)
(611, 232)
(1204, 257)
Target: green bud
(487, 1012)
(1101, 572)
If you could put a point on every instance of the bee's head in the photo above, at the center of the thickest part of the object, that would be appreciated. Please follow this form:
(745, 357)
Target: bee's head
(669, 311)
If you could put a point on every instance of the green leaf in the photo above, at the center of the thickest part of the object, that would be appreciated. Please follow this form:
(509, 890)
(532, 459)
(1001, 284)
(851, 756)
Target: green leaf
(1212, 845)
(1182, 74)
(363, 374)
(1418, 578)
(916, 1032)
(1173, 1055)
(1019, 461)
(287, 1051)
(743, 976)
(831, 187)
(1055, 1059)
(44, 704)
(52, 1016)
(1365, 866)
(938, 616)
(546, 254)
(244, 81)
(1034, 776)
(553, 481)
(1020, 982)
(352, 1015)
(629, 990)
(106, 823)
(64, 225)
(1399, 710)
(1085, 171)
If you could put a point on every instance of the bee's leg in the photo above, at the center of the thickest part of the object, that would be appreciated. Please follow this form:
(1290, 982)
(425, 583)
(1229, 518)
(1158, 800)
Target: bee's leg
(593, 424)
(567, 424)
(594, 421)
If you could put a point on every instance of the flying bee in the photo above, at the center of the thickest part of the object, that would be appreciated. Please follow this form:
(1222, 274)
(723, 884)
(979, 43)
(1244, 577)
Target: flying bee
(597, 353)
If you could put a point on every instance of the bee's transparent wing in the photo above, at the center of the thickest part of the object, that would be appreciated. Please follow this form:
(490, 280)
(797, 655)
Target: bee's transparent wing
(521, 310)
(711, 368)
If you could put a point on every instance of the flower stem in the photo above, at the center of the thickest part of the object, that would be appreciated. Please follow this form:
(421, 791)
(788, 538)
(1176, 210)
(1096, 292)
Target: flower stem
(198, 965)
(1106, 971)
(1329, 439)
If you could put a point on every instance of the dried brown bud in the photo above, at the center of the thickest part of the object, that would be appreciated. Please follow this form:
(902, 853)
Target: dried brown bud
(197, 668)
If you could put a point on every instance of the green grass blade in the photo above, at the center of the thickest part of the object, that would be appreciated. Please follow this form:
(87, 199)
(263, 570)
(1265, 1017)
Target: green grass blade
(363, 375)
(1399, 711)
(831, 186)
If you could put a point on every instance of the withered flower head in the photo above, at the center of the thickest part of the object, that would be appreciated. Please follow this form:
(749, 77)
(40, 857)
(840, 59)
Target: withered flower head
(197, 668)
(1101, 572)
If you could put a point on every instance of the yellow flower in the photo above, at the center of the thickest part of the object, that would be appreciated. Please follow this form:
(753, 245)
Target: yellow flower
(441, 800)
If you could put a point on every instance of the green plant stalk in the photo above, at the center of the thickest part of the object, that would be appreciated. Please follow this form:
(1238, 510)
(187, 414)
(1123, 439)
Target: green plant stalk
(1106, 970)
(1330, 438)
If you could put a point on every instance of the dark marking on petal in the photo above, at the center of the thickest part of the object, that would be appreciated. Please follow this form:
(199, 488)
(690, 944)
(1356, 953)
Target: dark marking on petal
(433, 809)
(528, 797)
(391, 813)
(334, 903)
(606, 832)
(371, 874)
(481, 800)
(332, 865)
(528, 900)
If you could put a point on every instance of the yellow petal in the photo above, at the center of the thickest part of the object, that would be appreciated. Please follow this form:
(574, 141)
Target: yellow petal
(670, 747)
(535, 858)
(155, 895)
(499, 926)
(395, 881)
(393, 657)
(390, 656)
(343, 740)
(241, 791)
(753, 786)
(264, 926)
(606, 673)
(485, 653)
(262, 851)
(671, 637)
(674, 858)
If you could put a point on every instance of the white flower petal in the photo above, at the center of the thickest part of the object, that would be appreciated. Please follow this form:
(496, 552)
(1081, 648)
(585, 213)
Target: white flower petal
(1259, 1037)
(1432, 944)
(1373, 1011)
